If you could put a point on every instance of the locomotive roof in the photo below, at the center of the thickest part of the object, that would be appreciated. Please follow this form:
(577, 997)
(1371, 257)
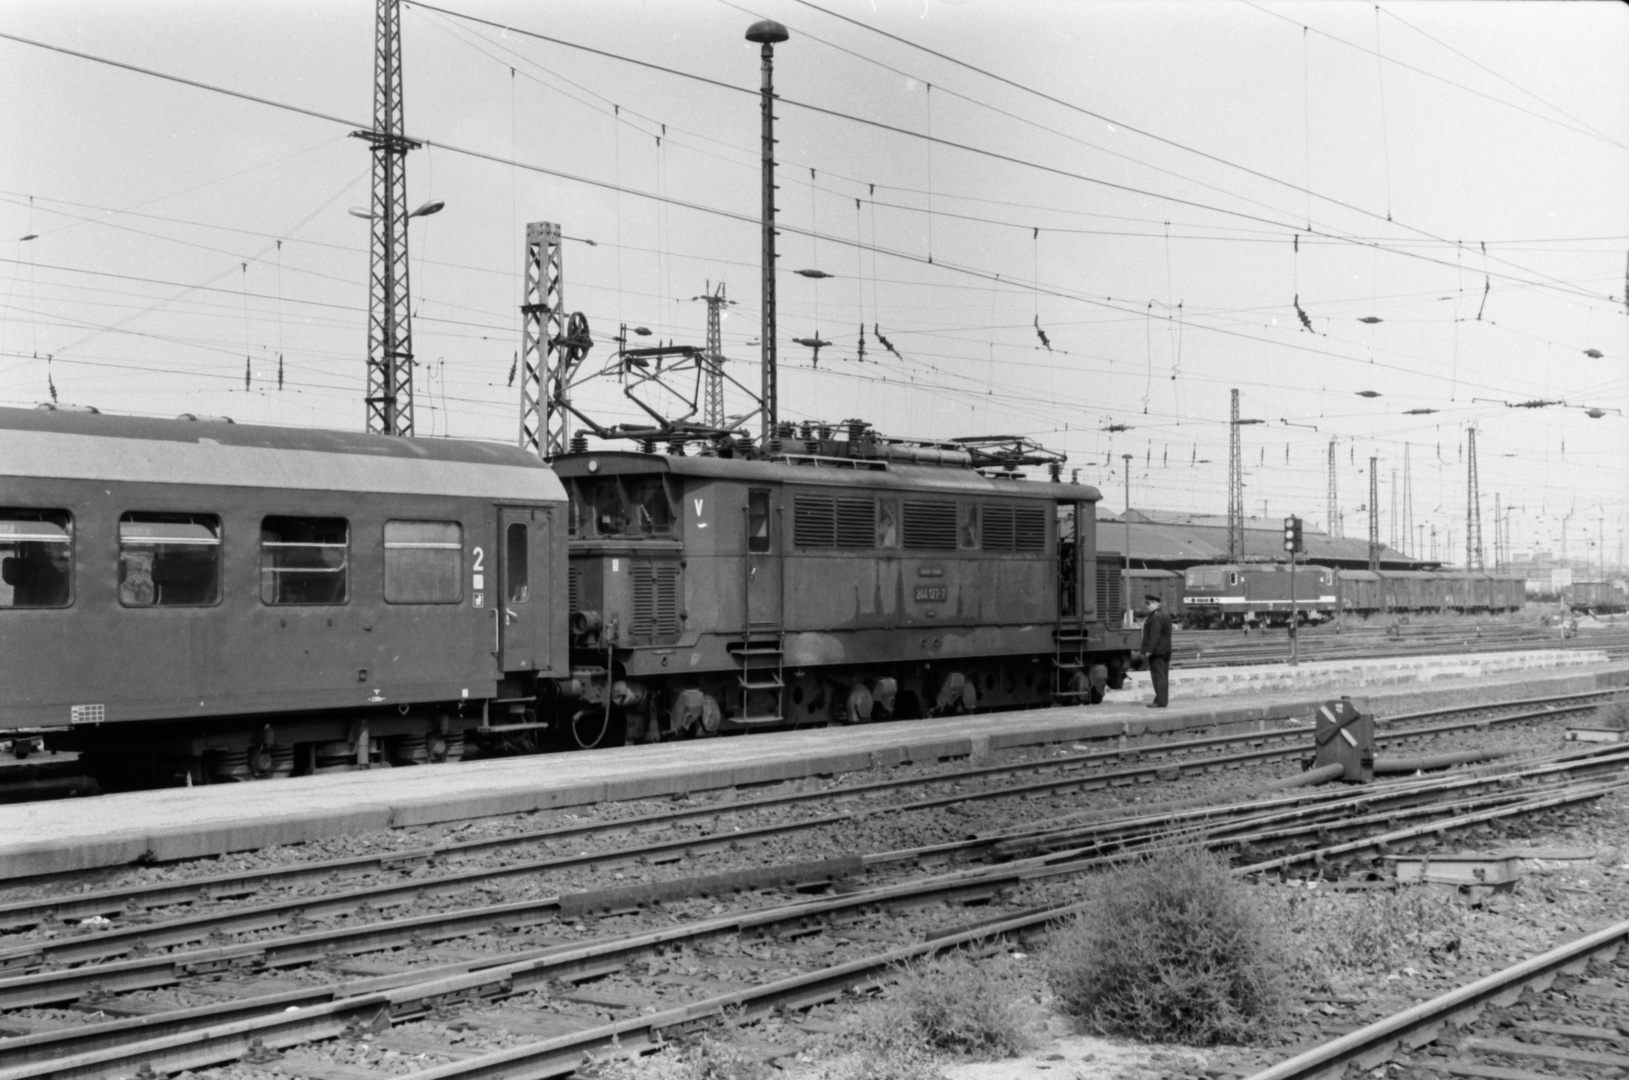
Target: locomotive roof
(134, 449)
(891, 475)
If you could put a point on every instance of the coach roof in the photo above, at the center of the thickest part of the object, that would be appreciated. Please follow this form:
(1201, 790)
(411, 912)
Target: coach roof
(131, 449)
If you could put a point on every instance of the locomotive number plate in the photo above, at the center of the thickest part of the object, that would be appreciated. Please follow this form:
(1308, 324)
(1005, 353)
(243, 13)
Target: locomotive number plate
(932, 594)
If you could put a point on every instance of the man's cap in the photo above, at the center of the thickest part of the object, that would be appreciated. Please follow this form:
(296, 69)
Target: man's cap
(1150, 597)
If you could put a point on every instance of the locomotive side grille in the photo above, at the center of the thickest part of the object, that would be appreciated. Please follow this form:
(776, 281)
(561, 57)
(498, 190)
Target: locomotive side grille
(655, 601)
(930, 526)
(1110, 604)
(1029, 533)
(574, 584)
(998, 529)
(814, 521)
(856, 522)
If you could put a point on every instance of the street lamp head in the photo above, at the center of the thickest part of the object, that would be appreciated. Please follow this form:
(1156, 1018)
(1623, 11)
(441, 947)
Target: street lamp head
(767, 32)
(434, 206)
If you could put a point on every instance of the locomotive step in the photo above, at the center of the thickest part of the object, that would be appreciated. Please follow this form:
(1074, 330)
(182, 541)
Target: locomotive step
(767, 718)
(756, 650)
(769, 684)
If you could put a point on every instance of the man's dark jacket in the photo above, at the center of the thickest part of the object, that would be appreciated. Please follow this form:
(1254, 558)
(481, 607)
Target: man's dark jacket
(1157, 634)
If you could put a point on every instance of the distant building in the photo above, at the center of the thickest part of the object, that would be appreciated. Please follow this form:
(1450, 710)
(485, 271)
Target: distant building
(1167, 540)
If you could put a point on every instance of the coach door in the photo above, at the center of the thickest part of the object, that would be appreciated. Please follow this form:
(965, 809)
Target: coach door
(522, 601)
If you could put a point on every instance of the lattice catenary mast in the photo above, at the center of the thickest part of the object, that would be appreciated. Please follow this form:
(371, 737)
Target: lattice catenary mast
(1334, 525)
(545, 394)
(712, 412)
(390, 329)
(1235, 489)
(1473, 509)
(1374, 513)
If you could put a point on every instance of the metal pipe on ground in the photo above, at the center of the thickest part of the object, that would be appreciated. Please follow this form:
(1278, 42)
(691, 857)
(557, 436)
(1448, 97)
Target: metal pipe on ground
(1392, 766)
(1311, 778)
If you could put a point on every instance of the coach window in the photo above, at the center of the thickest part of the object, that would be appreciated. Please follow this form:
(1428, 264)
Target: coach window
(35, 563)
(515, 565)
(304, 560)
(757, 520)
(169, 560)
(424, 562)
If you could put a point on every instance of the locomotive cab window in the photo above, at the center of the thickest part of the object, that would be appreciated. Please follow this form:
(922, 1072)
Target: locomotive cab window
(169, 560)
(35, 558)
(757, 520)
(424, 562)
(304, 560)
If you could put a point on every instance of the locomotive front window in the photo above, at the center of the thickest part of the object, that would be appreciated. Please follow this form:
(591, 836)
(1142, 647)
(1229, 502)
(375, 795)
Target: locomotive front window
(652, 513)
(304, 560)
(424, 562)
(35, 563)
(169, 560)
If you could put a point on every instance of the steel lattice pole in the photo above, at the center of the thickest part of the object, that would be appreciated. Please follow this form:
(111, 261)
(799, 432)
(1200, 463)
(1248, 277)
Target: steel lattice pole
(390, 330)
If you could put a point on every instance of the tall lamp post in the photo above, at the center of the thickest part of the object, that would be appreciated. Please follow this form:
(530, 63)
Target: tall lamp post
(768, 34)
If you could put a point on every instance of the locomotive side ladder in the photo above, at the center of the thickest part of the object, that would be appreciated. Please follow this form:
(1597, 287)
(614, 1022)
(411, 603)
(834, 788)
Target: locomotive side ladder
(1071, 683)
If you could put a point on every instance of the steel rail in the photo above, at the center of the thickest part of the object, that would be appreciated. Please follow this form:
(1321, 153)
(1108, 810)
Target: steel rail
(213, 1044)
(1369, 1047)
(116, 902)
(142, 939)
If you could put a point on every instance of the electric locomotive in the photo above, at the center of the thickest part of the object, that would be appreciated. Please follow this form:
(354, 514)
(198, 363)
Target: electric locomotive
(848, 580)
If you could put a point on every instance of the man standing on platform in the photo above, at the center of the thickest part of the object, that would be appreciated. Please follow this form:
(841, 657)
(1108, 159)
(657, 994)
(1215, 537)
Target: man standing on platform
(1157, 650)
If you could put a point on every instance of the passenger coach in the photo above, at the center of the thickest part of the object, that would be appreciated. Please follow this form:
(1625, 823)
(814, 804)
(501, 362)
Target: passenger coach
(207, 600)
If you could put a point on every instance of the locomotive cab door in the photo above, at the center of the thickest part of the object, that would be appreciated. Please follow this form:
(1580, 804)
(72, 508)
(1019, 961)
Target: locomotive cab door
(521, 598)
(763, 563)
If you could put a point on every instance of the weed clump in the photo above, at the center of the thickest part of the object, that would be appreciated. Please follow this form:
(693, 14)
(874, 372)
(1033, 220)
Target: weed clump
(950, 1006)
(1613, 714)
(1171, 948)
(1373, 932)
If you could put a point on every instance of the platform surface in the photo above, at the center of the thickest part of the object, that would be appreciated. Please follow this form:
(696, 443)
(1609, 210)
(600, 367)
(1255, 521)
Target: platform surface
(178, 823)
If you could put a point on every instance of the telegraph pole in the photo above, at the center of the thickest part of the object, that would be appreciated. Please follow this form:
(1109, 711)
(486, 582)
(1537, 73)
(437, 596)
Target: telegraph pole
(390, 329)
(767, 34)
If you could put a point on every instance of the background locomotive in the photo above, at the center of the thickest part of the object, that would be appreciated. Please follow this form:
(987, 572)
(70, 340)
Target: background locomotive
(201, 601)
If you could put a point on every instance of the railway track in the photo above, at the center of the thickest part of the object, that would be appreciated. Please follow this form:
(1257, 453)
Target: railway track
(1232, 648)
(517, 982)
(258, 1025)
(1566, 1009)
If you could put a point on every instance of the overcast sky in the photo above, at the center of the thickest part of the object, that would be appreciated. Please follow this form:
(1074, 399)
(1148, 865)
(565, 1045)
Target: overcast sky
(1156, 187)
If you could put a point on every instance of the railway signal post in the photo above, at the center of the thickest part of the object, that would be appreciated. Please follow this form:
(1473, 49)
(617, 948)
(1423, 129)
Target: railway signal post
(1292, 544)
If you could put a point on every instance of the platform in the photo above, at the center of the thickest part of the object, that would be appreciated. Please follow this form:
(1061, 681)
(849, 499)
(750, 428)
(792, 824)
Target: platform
(179, 823)
(1323, 676)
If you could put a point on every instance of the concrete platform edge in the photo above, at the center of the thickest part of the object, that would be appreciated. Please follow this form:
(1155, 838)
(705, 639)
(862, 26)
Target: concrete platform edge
(913, 741)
